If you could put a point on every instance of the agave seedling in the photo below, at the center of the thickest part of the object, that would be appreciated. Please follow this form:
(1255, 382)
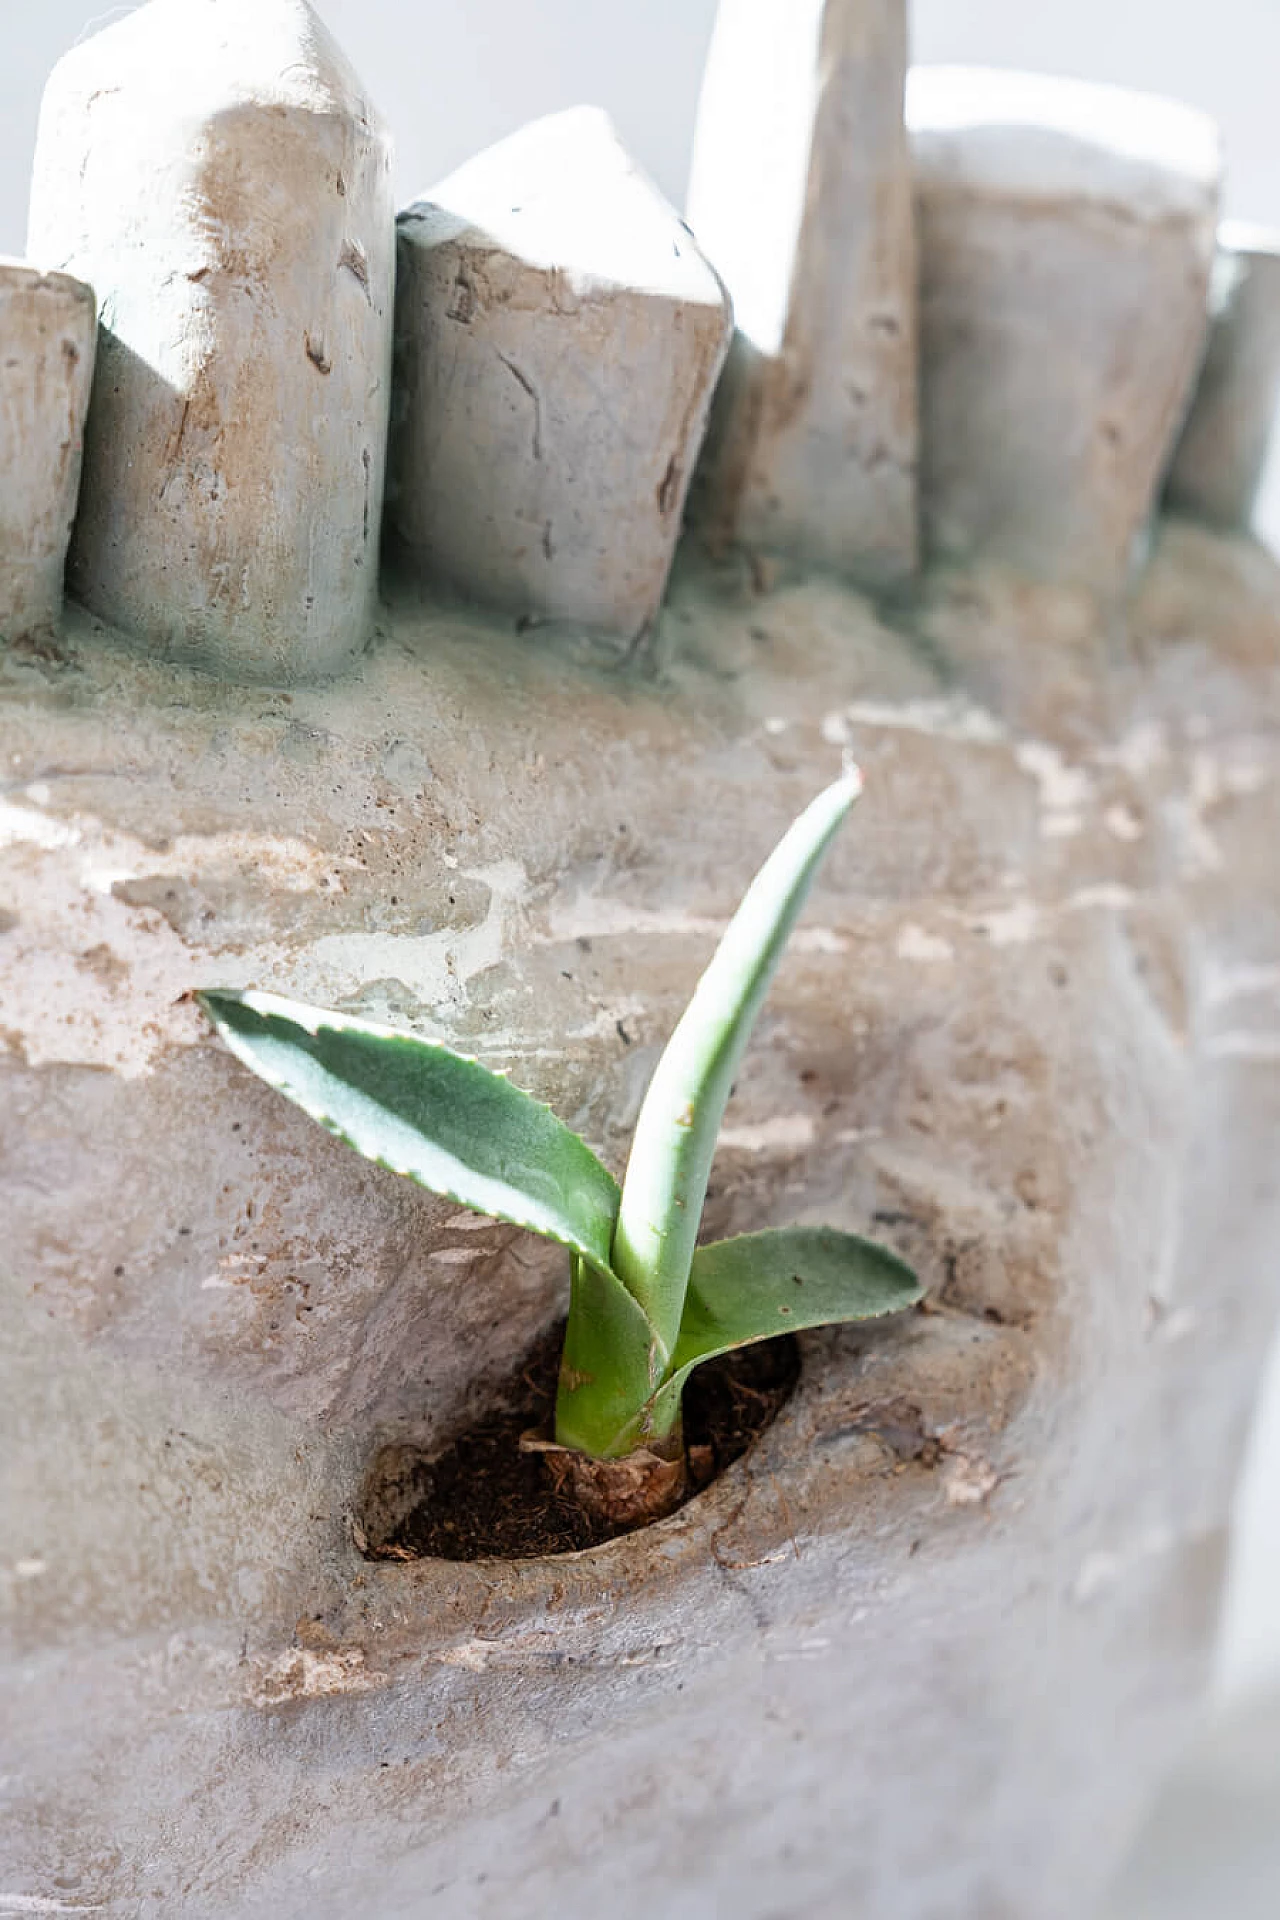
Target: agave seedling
(646, 1303)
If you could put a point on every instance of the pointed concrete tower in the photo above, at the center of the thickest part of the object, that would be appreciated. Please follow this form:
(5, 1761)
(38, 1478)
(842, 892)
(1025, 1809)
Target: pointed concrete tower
(801, 195)
(1066, 237)
(1230, 436)
(217, 172)
(558, 338)
(47, 333)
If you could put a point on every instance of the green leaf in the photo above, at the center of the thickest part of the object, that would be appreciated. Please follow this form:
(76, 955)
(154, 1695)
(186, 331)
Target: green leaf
(422, 1110)
(666, 1178)
(762, 1284)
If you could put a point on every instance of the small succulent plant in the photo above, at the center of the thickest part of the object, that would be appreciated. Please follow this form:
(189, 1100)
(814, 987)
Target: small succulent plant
(647, 1304)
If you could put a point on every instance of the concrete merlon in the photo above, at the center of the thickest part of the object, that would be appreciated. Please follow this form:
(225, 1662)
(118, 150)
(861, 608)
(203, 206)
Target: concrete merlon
(1060, 225)
(215, 169)
(1039, 137)
(1228, 438)
(801, 193)
(558, 338)
(48, 330)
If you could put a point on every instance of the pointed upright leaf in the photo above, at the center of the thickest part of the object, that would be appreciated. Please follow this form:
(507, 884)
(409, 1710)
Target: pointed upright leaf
(422, 1110)
(666, 1178)
(762, 1284)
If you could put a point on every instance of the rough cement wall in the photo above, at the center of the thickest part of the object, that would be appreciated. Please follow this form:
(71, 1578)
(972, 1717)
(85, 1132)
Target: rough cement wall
(1025, 1034)
(927, 1648)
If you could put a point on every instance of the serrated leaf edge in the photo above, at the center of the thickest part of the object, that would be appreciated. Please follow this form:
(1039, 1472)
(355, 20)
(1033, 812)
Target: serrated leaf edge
(321, 1020)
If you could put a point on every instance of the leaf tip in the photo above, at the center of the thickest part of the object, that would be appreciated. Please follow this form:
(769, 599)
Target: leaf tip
(849, 786)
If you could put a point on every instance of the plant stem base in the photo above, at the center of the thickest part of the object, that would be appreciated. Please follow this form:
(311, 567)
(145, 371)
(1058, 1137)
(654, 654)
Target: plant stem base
(632, 1492)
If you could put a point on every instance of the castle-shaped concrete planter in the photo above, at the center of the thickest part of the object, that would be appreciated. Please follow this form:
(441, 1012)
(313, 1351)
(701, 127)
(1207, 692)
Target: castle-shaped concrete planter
(1027, 1033)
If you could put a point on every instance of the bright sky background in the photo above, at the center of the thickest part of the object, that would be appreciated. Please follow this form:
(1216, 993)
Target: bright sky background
(453, 75)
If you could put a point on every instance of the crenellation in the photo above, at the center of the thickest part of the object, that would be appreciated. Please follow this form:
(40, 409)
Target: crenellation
(558, 338)
(1066, 237)
(933, 350)
(215, 168)
(1229, 435)
(48, 336)
(801, 193)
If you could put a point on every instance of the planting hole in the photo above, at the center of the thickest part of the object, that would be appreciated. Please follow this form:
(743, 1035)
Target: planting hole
(480, 1498)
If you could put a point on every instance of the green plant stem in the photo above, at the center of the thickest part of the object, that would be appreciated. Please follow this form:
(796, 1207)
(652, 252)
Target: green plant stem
(609, 1368)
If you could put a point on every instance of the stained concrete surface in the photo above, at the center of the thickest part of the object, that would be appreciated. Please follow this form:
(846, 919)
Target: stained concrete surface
(1022, 1034)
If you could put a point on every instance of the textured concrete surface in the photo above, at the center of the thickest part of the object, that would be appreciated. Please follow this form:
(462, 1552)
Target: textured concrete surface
(1027, 1033)
(48, 332)
(1221, 458)
(558, 339)
(215, 170)
(1066, 234)
(1212, 1845)
(801, 193)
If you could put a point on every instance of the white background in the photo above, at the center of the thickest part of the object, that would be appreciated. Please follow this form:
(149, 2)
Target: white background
(453, 75)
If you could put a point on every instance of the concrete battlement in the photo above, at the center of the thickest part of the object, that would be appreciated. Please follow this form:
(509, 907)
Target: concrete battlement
(936, 349)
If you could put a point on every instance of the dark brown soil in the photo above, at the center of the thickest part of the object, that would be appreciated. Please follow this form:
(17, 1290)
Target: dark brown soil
(482, 1498)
